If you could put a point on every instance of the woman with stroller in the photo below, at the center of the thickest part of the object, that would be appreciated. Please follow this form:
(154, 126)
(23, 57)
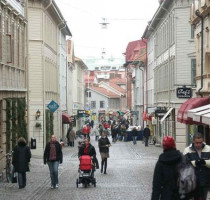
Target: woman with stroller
(88, 149)
(104, 145)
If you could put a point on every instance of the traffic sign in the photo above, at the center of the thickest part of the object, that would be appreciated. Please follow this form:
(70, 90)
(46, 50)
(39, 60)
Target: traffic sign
(53, 106)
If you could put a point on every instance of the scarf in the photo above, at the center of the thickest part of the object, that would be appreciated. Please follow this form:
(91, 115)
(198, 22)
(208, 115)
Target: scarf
(86, 150)
(52, 151)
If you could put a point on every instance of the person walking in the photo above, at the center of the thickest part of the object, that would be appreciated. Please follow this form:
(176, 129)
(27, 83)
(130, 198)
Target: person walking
(164, 186)
(88, 149)
(146, 135)
(95, 132)
(71, 138)
(104, 144)
(198, 153)
(67, 135)
(53, 156)
(134, 135)
(20, 161)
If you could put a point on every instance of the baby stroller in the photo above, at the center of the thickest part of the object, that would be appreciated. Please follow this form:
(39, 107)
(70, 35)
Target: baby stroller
(86, 172)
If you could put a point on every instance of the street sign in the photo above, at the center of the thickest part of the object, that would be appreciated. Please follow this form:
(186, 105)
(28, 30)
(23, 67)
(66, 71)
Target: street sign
(53, 106)
(183, 92)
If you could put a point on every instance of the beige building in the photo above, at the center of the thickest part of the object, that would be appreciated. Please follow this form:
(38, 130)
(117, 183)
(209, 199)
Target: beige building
(78, 89)
(45, 24)
(203, 8)
(13, 71)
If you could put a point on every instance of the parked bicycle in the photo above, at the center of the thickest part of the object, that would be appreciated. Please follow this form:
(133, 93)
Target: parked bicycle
(7, 168)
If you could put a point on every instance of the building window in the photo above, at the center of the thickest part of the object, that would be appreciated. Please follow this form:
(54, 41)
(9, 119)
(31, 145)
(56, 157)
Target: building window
(93, 104)
(102, 103)
(88, 94)
(193, 71)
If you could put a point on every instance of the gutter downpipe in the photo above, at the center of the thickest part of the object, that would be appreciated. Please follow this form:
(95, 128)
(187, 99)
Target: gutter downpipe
(198, 14)
(145, 77)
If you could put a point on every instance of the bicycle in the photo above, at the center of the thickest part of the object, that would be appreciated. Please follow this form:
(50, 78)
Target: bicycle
(8, 165)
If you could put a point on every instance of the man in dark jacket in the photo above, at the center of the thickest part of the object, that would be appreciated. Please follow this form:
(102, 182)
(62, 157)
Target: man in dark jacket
(198, 153)
(20, 161)
(165, 175)
(53, 156)
(146, 135)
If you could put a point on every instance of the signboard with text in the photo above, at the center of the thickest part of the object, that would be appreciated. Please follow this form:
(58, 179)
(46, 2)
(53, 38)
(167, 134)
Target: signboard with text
(53, 106)
(184, 92)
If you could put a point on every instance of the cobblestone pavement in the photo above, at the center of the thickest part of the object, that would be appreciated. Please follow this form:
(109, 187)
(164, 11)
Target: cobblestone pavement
(129, 176)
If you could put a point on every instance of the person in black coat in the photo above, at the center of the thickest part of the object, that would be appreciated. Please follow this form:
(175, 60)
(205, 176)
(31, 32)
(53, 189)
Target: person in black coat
(88, 149)
(134, 135)
(20, 160)
(104, 144)
(53, 156)
(166, 174)
(146, 135)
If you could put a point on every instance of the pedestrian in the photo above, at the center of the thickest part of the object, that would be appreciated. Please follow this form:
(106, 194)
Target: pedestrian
(104, 144)
(101, 129)
(53, 156)
(67, 136)
(20, 161)
(87, 149)
(72, 136)
(146, 135)
(134, 135)
(96, 133)
(85, 131)
(198, 153)
(164, 186)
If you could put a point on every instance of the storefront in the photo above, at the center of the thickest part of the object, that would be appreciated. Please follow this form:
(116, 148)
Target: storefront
(195, 113)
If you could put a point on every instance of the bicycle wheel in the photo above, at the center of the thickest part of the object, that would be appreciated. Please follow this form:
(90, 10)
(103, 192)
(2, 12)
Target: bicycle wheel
(8, 172)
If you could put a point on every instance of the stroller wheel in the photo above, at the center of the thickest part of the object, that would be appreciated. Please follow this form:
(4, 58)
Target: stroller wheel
(77, 183)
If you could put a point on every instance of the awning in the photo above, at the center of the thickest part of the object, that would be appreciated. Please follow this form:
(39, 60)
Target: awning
(166, 115)
(196, 110)
(182, 115)
(66, 119)
(198, 116)
(206, 119)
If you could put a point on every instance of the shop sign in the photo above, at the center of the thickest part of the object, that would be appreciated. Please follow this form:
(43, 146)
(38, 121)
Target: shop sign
(184, 92)
(160, 111)
(81, 113)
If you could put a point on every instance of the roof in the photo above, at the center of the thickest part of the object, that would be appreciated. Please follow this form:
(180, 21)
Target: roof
(104, 92)
(118, 80)
(118, 88)
(136, 50)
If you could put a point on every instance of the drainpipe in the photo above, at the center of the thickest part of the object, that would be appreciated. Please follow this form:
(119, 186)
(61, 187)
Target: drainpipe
(198, 14)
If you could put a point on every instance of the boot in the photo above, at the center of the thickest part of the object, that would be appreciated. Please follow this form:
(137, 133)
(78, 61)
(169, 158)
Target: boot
(105, 167)
(102, 166)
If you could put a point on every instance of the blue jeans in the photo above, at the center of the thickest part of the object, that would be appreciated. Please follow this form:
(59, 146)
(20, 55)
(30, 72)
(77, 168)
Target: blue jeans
(53, 167)
(134, 139)
(22, 179)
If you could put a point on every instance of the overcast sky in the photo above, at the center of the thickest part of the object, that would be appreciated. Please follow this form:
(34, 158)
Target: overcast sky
(127, 22)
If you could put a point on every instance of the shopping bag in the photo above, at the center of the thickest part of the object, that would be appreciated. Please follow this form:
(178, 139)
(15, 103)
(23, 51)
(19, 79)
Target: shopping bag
(13, 176)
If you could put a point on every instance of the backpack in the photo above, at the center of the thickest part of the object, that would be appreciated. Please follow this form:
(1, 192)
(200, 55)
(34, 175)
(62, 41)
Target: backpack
(186, 179)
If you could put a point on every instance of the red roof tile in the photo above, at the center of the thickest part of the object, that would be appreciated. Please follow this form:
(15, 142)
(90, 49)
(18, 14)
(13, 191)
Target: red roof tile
(118, 88)
(118, 80)
(105, 92)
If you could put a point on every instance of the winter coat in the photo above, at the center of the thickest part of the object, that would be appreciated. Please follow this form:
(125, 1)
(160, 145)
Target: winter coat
(134, 132)
(202, 172)
(21, 157)
(146, 132)
(59, 154)
(165, 176)
(72, 135)
(102, 142)
(91, 152)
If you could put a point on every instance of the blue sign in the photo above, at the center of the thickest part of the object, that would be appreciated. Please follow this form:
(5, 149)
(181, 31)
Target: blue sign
(53, 106)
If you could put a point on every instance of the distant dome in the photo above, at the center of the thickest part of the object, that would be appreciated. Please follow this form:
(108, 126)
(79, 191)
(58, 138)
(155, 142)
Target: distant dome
(160, 1)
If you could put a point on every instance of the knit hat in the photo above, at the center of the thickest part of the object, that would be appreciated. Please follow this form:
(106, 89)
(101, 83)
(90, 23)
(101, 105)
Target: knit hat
(168, 143)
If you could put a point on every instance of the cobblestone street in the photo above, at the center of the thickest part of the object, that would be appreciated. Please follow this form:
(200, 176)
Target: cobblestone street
(129, 176)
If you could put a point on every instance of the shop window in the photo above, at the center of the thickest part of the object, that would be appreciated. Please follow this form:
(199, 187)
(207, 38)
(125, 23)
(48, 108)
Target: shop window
(193, 71)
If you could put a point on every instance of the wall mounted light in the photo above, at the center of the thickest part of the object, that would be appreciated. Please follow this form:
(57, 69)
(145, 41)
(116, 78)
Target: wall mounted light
(37, 114)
